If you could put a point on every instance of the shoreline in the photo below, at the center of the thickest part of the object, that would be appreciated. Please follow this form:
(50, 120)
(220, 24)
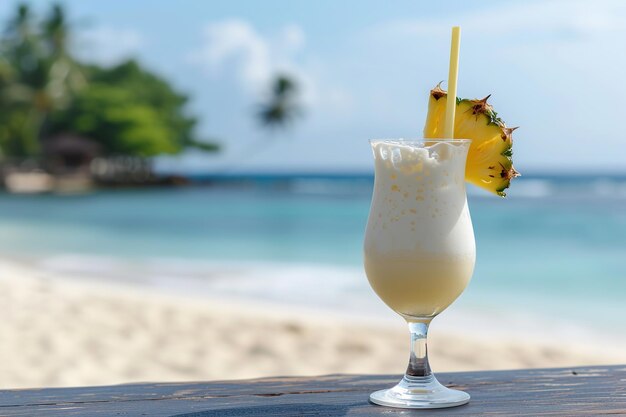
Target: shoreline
(62, 331)
(287, 287)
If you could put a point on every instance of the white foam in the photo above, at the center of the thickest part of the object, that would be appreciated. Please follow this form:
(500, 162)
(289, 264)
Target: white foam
(419, 206)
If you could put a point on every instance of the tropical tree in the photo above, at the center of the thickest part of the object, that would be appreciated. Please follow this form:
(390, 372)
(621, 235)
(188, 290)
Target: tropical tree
(20, 64)
(39, 78)
(130, 111)
(44, 90)
(281, 107)
(279, 110)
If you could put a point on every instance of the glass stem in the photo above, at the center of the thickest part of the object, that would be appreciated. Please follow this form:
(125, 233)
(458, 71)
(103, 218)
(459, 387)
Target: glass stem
(418, 362)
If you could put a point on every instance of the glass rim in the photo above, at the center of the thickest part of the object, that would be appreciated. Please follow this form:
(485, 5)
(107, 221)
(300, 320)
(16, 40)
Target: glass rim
(418, 140)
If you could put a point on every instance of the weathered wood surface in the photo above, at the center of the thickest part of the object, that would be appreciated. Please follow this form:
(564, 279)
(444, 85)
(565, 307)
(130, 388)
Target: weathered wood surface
(589, 391)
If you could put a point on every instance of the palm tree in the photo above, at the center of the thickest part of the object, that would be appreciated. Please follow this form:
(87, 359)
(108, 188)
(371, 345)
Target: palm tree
(63, 70)
(42, 75)
(21, 50)
(282, 107)
(279, 110)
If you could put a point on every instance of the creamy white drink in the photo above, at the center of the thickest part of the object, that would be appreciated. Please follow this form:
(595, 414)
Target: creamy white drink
(419, 244)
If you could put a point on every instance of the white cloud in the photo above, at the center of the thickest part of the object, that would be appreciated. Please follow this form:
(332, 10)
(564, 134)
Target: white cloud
(293, 37)
(559, 17)
(234, 46)
(106, 45)
(235, 43)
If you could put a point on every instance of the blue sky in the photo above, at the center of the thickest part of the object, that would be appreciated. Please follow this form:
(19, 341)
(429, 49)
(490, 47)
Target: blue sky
(556, 68)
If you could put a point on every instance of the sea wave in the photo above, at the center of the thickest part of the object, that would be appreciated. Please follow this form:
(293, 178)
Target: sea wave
(294, 283)
(579, 188)
(332, 187)
(332, 289)
(531, 187)
(609, 188)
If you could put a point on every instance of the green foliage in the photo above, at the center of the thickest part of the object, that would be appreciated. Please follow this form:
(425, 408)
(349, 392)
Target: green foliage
(122, 125)
(131, 112)
(17, 136)
(44, 91)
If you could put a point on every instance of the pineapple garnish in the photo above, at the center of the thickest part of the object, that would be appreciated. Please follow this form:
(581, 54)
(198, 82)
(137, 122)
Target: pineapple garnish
(489, 160)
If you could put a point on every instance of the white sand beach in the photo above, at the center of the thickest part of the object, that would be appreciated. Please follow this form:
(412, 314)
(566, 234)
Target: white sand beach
(64, 332)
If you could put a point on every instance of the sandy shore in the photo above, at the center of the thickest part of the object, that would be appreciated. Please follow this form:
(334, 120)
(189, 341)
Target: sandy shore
(61, 332)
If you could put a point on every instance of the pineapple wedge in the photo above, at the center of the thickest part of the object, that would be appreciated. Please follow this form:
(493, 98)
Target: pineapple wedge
(489, 164)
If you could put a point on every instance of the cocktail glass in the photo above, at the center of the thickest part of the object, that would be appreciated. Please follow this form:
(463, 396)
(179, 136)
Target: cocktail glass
(419, 251)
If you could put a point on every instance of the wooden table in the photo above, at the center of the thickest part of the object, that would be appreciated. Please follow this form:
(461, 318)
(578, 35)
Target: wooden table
(589, 391)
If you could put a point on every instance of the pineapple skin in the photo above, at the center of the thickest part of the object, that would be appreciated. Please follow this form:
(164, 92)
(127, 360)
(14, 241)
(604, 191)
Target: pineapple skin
(489, 160)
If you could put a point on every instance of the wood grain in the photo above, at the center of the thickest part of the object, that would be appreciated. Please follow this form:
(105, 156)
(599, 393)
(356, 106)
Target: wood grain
(589, 391)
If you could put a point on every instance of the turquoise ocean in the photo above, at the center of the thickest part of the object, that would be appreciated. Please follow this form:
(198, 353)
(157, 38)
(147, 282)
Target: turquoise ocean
(554, 249)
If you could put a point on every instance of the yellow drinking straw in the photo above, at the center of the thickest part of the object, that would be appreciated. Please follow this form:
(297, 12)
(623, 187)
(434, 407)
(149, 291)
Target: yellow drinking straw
(452, 76)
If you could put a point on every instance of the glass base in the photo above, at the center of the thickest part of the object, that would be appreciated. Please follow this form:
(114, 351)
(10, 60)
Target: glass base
(419, 392)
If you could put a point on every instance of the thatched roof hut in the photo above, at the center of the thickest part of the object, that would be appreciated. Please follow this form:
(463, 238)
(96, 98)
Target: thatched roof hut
(68, 152)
